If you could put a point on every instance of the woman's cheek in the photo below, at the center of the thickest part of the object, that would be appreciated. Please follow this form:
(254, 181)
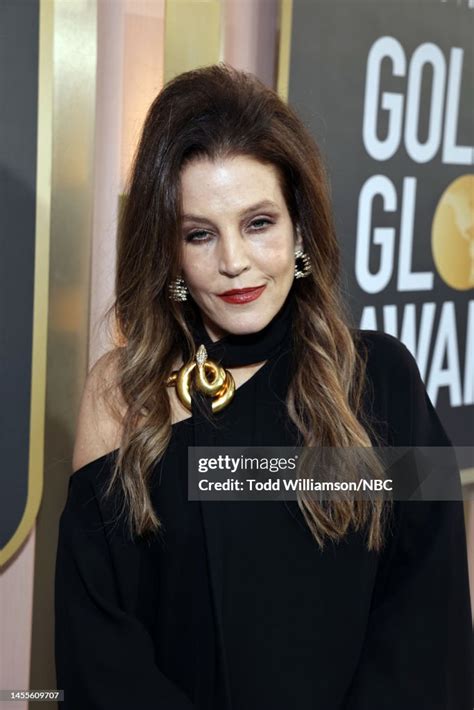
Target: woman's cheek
(275, 257)
(197, 271)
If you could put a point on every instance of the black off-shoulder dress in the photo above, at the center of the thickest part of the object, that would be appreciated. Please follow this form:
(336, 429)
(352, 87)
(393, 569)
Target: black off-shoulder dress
(235, 607)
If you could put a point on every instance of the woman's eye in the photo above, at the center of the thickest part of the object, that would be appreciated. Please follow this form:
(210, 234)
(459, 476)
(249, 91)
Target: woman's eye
(197, 236)
(260, 223)
(202, 235)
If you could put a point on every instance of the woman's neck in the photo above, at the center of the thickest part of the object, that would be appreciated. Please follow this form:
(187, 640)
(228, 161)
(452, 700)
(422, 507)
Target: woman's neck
(241, 350)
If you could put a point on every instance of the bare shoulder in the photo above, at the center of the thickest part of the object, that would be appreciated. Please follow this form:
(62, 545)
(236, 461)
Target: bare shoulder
(101, 412)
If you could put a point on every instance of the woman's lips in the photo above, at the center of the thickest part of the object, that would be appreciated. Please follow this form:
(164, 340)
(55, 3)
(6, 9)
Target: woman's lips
(244, 296)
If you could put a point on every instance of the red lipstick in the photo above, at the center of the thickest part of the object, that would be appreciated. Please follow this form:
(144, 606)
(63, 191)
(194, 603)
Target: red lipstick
(242, 295)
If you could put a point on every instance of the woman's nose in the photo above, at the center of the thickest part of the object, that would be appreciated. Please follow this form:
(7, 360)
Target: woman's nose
(233, 256)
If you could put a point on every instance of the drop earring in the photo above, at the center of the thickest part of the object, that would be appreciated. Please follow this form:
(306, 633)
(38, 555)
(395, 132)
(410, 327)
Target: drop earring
(305, 266)
(178, 290)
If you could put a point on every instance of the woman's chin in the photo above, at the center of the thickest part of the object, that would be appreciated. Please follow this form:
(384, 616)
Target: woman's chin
(245, 325)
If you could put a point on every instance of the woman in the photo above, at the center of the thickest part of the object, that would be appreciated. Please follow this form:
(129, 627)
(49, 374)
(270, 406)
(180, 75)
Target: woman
(227, 241)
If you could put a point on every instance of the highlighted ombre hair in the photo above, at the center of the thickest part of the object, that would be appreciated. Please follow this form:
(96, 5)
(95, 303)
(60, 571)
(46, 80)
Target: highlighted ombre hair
(219, 112)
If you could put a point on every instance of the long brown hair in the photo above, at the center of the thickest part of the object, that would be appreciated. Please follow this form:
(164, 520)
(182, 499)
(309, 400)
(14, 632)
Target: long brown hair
(215, 112)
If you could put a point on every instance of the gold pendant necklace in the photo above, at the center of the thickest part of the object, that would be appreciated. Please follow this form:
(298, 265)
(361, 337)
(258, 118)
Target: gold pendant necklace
(221, 384)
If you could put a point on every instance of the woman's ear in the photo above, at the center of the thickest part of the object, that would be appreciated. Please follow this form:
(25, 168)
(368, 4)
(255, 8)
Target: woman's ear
(299, 238)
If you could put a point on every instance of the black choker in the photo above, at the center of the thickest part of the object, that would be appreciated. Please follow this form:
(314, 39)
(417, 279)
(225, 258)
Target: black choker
(206, 380)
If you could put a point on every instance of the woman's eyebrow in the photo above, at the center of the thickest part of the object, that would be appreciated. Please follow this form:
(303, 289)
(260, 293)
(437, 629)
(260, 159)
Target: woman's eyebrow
(263, 204)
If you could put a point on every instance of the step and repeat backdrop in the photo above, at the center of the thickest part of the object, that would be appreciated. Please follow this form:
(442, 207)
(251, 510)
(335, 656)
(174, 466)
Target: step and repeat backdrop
(22, 291)
(386, 88)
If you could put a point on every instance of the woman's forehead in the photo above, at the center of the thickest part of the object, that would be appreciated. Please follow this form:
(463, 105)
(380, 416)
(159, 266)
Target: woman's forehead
(236, 183)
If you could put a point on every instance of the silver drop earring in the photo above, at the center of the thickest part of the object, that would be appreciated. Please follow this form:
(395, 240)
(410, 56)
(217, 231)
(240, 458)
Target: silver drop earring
(178, 290)
(305, 269)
